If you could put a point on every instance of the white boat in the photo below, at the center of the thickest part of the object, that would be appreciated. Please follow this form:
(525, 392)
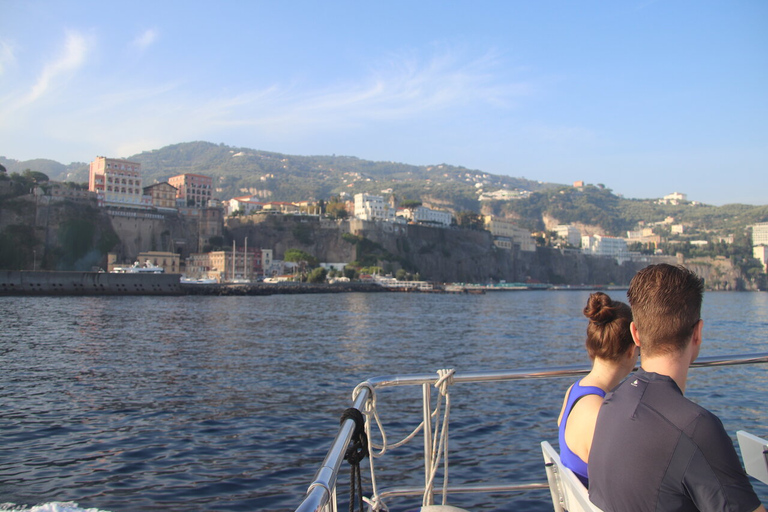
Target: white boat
(138, 268)
(202, 280)
(362, 425)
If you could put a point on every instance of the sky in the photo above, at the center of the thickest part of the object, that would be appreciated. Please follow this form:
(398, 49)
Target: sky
(645, 97)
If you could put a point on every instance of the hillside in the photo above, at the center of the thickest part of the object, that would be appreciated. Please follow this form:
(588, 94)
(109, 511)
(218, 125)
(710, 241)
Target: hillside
(597, 207)
(278, 177)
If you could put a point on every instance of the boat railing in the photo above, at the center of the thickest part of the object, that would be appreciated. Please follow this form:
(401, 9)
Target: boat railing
(321, 494)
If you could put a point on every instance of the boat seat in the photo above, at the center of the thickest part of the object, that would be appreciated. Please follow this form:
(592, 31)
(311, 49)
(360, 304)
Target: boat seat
(754, 453)
(442, 508)
(568, 493)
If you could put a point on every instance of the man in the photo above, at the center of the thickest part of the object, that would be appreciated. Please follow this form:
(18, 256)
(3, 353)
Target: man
(653, 449)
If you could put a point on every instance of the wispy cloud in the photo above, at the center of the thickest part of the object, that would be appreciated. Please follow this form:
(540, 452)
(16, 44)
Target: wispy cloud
(73, 57)
(145, 39)
(403, 88)
(6, 55)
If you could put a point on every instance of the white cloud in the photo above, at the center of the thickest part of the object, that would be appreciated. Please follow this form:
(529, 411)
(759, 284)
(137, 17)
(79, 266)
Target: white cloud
(145, 39)
(404, 88)
(75, 50)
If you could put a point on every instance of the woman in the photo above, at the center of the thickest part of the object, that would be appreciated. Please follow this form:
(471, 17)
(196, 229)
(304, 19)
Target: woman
(614, 355)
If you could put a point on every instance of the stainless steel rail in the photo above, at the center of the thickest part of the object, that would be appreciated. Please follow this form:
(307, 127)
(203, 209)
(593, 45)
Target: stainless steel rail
(321, 494)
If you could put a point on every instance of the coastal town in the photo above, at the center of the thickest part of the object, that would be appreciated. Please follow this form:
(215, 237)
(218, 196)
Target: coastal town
(118, 188)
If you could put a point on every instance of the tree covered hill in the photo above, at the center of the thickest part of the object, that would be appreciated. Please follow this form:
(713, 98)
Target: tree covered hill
(278, 177)
(598, 206)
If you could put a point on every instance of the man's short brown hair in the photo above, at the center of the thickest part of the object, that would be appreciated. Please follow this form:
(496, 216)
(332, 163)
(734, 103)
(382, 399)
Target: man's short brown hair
(666, 306)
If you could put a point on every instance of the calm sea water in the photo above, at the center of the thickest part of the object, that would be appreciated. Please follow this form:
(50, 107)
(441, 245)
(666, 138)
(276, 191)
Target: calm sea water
(230, 403)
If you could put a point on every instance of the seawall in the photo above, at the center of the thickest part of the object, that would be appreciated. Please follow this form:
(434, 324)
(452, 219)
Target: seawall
(22, 283)
(14, 282)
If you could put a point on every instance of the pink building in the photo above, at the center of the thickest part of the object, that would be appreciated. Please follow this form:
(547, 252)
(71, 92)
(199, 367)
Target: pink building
(117, 183)
(193, 189)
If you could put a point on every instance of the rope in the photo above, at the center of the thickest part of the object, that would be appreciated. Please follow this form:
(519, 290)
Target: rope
(355, 453)
(440, 443)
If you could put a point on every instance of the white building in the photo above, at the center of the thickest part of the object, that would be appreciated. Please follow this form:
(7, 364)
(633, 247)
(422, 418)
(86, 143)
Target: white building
(760, 233)
(599, 245)
(370, 207)
(674, 198)
(760, 252)
(424, 215)
(244, 203)
(501, 229)
(570, 234)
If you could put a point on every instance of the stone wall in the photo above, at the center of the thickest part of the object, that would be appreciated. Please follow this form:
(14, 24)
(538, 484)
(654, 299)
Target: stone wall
(87, 283)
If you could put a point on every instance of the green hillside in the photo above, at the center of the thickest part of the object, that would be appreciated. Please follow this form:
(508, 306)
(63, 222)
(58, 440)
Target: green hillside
(278, 177)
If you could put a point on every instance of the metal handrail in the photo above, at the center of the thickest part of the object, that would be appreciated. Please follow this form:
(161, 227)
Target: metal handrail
(321, 492)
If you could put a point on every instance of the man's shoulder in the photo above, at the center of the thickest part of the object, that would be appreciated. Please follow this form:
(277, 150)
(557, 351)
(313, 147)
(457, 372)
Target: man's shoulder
(659, 395)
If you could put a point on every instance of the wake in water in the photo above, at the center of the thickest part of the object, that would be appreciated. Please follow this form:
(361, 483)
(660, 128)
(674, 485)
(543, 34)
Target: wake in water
(55, 506)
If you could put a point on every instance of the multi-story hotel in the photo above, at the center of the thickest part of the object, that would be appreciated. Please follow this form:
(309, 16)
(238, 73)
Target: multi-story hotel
(505, 233)
(611, 246)
(370, 207)
(193, 189)
(760, 233)
(117, 183)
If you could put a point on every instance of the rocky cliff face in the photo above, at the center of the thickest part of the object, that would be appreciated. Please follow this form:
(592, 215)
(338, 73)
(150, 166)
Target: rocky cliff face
(720, 274)
(437, 254)
(65, 235)
(40, 232)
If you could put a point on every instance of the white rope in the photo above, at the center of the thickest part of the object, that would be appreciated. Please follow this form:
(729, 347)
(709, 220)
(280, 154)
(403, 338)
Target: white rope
(439, 447)
(440, 443)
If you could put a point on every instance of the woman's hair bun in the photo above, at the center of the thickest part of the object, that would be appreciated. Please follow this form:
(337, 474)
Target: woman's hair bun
(600, 308)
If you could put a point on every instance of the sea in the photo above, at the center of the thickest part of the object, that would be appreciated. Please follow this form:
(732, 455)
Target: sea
(231, 403)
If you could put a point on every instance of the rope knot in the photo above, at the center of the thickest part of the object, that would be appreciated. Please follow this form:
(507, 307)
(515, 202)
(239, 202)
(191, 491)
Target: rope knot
(444, 379)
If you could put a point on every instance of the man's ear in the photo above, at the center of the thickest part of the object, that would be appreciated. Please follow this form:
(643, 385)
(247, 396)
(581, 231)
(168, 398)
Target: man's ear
(696, 338)
(635, 335)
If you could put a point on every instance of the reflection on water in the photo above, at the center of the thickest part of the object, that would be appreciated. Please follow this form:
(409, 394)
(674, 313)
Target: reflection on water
(229, 403)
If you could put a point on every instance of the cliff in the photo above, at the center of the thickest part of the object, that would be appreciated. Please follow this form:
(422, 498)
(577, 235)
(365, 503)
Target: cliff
(437, 254)
(37, 232)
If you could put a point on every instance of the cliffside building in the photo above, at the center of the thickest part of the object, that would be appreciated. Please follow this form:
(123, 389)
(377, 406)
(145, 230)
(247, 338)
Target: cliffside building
(760, 253)
(163, 195)
(370, 207)
(571, 234)
(117, 183)
(760, 243)
(598, 245)
(246, 204)
(759, 233)
(424, 215)
(193, 189)
(505, 233)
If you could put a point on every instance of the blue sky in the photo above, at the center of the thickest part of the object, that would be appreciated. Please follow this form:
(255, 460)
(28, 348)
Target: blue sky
(647, 97)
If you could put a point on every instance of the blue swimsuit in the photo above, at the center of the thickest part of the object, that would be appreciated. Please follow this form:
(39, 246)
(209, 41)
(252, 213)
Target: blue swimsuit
(570, 459)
